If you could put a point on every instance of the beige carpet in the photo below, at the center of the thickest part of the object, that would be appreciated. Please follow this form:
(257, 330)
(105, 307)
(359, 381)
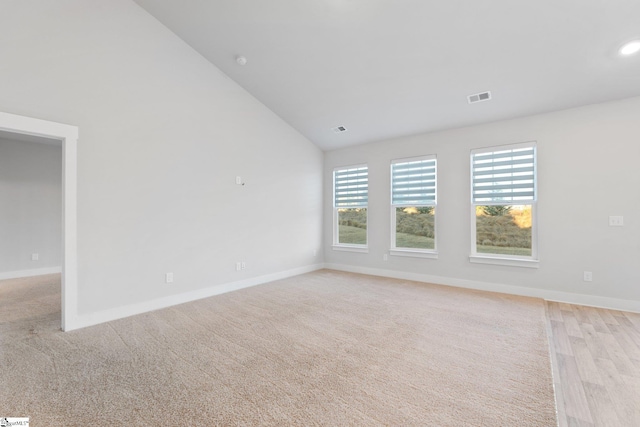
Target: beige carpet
(326, 348)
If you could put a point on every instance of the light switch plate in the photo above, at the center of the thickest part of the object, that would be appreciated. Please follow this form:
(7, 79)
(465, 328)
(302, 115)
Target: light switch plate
(616, 221)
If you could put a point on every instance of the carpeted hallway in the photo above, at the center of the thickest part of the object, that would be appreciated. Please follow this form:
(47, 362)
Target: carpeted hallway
(325, 348)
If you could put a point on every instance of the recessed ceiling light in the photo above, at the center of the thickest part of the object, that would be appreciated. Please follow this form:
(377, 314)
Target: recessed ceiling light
(630, 48)
(241, 60)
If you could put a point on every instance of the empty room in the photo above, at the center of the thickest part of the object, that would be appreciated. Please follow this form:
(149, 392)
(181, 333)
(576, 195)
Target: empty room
(319, 213)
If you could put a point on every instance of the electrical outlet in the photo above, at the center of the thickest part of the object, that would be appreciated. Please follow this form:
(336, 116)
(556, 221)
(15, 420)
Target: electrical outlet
(588, 276)
(35, 257)
(238, 266)
(385, 257)
(243, 265)
(168, 278)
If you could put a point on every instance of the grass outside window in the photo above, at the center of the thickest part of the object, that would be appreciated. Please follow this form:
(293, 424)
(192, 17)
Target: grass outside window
(504, 230)
(352, 226)
(415, 227)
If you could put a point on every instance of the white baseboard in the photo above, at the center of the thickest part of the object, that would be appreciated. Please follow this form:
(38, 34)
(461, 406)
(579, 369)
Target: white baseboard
(546, 294)
(84, 320)
(29, 273)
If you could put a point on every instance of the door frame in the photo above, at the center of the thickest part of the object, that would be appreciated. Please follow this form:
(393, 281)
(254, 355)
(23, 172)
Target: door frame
(68, 135)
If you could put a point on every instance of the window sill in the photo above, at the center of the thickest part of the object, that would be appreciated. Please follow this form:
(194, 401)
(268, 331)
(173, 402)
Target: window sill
(413, 254)
(350, 248)
(496, 260)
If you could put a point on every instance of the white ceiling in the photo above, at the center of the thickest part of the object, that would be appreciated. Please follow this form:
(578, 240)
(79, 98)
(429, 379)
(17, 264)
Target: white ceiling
(385, 68)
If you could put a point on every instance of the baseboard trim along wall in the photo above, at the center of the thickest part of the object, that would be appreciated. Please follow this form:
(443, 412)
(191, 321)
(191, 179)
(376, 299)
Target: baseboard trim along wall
(546, 294)
(29, 273)
(90, 319)
(85, 320)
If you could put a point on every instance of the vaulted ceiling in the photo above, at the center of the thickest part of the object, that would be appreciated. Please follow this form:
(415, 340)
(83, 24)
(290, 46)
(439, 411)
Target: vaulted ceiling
(385, 68)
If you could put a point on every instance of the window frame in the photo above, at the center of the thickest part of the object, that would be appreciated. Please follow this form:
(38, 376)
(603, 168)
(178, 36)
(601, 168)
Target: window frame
(531, 261)
(413, 252)
(348, 247)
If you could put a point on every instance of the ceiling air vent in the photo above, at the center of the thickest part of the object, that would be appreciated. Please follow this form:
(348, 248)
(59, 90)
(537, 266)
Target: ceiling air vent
(479, 97)
(339, 129)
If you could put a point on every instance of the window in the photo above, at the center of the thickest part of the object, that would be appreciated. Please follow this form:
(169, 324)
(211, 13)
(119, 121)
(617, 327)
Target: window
(503, 205)
(413, 206)
(350, 202)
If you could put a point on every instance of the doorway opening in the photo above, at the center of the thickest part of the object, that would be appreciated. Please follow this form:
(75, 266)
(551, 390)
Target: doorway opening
(22, 128)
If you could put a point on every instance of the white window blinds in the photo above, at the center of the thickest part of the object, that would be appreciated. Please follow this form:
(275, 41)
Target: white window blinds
(504, 176)
(351, 187)
(413, 182)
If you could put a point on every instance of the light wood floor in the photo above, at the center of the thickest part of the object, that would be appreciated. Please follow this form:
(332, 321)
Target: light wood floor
(596, 358)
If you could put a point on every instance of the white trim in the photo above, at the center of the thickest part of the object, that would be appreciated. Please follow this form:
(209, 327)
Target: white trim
(346, 248)
(504, 147)
(414, 159)
(413, 253)
(498, 260)
(91, 319)
(29, 273)
(347, 167)
(549, 295)
(68, 135)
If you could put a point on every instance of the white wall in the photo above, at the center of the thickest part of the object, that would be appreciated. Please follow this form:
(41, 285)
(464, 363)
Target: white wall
(587, 170)
(163, 134)
(30, 206)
